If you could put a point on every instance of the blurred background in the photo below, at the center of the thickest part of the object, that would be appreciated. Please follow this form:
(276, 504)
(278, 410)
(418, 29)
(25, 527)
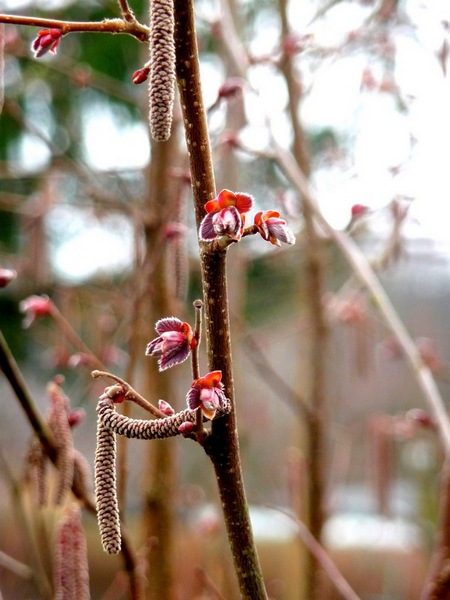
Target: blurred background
(359, 91)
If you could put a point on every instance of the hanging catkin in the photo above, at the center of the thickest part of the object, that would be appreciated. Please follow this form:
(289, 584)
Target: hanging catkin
(162, 68)
(106, 489)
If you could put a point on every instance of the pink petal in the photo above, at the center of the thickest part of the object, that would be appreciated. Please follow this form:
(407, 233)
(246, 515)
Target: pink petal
(168, 324)
(206, 231)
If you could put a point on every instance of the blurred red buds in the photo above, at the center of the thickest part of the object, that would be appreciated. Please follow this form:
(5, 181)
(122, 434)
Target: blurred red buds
(35, 307)
(6, 276)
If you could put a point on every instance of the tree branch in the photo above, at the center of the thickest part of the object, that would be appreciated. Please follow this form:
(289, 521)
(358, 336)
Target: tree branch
(222, 446)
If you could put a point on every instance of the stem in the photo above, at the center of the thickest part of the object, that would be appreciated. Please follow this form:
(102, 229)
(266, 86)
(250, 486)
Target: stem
(222, 445)
(12, 373)
(198, 305)
(127, 13)
(131, 27)
(131, 394)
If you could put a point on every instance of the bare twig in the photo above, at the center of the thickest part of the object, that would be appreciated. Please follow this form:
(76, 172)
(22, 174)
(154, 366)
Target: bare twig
(131, 394)
(322, 557)
(198, 305)
(130, 27)
(127, 13)
(73, 337)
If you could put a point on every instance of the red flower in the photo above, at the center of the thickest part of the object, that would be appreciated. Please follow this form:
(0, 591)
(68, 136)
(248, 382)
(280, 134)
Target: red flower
(225, 216)
(176, 339)
(47, 39)
(35, 307)
(207, 393)
(272, 228)
(243, 202)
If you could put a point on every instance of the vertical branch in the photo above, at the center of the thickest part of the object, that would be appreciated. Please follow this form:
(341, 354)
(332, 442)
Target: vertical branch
(314, 292)
(161, 478)
(437, 586)
(222, 446)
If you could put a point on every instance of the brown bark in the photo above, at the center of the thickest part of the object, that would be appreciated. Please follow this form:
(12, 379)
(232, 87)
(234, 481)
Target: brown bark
(222, 445)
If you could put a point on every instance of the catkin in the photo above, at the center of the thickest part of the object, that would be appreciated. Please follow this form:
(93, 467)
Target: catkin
(59, 425)
(143, 429)
(106, 489)
(71, 565)
(162, 68)
(147, 429)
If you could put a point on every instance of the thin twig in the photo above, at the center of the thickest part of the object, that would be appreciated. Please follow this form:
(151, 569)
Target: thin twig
(130, 27)
(322, 557)
(127, 13)
(131, 394)
(198, 305)
(12, 373)
(272, 378)
(73, 337)
(208, 583)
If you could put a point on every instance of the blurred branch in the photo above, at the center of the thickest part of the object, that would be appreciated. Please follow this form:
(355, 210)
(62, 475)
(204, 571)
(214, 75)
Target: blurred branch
(128, 26)
(78, 166)
(270, 375)
(208, 584)
(438, 581)
(15, 566)
(73, 337)
(12, 373)
(369, 280)
(314, 286)
(322, 557)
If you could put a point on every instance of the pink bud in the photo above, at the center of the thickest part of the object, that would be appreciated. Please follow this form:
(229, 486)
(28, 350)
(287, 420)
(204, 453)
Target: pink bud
(116, 393)
(34, 307)
(76, 416)
(358, 210)
(186, 428)
(165, 408)
(232, 87)
(420, 417)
